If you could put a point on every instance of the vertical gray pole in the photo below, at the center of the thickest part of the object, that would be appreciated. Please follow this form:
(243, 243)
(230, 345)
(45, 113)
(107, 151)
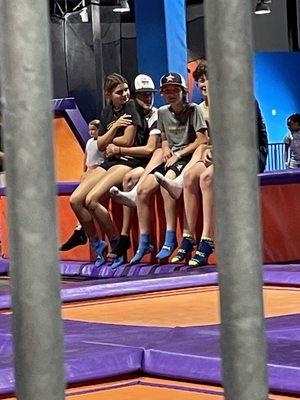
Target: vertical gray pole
(229, 48)
(97, 43)
(26, 79)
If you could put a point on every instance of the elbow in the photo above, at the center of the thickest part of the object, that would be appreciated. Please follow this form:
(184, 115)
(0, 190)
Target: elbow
(128, 142)
(149, 150)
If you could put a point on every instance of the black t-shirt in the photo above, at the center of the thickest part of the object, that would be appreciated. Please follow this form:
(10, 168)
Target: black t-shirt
(110, 115)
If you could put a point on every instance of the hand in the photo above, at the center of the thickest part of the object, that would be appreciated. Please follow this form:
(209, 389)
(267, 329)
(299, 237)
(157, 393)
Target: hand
(172, 160)
(123, 121)
(166, 154)
(112, 149)
(207, 157)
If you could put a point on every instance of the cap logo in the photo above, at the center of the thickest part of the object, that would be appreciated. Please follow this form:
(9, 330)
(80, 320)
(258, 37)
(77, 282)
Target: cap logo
(170, 78)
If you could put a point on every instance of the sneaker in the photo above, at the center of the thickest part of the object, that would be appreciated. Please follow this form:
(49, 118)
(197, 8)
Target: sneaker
(186, 247)
(120, 249)
(205, 249)
(78, 238)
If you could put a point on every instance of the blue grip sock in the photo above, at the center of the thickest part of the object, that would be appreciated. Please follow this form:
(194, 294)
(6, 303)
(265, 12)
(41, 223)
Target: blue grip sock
(145, 247)
(169, 246)
(98, 247)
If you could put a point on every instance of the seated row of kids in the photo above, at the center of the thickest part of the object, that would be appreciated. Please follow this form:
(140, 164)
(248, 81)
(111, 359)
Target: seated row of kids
(141, 149)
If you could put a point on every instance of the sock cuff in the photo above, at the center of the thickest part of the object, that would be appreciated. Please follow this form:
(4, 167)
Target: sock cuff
(207, 239)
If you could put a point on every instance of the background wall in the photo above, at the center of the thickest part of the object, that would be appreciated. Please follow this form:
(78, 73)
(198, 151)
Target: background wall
(277, 88)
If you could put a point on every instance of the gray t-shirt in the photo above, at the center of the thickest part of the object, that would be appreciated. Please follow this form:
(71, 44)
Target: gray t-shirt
(293, 141)
(180, 134)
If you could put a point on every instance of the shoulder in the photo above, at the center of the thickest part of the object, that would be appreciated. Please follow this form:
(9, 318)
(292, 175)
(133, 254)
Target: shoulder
(131, 105)
(163, 110)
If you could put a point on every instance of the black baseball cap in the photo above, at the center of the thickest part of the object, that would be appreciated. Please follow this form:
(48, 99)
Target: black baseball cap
(172, 78)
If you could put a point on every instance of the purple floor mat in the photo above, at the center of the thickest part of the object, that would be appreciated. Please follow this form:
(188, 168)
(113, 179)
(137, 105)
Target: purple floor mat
(95, 351)
(96, 289)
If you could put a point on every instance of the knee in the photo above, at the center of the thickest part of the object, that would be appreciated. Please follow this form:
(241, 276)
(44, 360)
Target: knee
(142, 192)
(205, 181)
(190, 179)
(127, 182)
(91, 203)
(75, 201)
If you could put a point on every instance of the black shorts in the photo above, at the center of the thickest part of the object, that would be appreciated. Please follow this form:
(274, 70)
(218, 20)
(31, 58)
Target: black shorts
(129, 162)
(177, 167)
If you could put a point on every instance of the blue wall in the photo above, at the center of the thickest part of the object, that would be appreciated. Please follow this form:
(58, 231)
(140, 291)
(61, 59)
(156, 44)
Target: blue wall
(277, 87)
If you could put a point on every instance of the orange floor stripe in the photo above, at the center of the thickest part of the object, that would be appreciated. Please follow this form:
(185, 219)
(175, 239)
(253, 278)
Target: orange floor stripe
(182, 309)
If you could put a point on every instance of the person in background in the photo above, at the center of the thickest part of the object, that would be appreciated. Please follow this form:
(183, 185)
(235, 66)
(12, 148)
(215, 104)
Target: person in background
(292, 142)
(93, 157)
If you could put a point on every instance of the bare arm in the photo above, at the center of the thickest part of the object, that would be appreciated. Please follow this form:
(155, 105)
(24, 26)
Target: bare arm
(128, 138)
(200, 139)
(84, 163)
(139, 151)
(104, 140)
(286, 153)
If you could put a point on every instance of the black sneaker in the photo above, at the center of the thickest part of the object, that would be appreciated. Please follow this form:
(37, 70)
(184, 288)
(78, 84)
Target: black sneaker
(120, 249)
(78, 238)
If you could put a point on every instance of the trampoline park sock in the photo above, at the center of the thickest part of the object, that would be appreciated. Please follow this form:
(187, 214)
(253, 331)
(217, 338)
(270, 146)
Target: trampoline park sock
(78, 238)
(120, 248)
(173, 186)
(186, 246)
(205, 249)
(98, 247)
(126, 198)
(169, 246)
(145, 247)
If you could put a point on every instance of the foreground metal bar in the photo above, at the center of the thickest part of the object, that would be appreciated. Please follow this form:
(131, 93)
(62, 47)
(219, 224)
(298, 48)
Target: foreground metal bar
(229, 46)
(26, 81)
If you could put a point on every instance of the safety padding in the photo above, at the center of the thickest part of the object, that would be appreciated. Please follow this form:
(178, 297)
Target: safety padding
(280, 196)
(96, 351)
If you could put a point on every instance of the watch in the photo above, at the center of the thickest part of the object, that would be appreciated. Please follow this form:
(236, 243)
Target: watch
(178, 154)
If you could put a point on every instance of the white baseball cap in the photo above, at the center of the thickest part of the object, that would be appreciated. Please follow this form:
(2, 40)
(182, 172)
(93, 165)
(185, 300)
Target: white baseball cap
(143, 83)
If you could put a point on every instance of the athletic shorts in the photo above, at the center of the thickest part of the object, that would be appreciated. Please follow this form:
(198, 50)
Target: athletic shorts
(129, 162)
(177, 167)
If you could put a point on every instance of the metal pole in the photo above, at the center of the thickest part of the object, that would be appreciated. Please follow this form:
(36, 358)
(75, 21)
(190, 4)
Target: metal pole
(97, 45)
(229, 48)
(28, 141)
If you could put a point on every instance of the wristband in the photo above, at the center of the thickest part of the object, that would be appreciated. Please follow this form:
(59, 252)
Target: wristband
(178, 154)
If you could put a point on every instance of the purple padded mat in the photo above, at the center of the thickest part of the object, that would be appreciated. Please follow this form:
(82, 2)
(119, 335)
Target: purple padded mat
(92, 289)
(94, 351)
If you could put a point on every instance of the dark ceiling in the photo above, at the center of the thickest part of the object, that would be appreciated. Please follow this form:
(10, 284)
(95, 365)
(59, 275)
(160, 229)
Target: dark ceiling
(58, 7)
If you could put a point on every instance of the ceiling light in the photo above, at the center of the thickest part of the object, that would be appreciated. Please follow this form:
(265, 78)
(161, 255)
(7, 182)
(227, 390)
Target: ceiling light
(124, 7)
(262, 8)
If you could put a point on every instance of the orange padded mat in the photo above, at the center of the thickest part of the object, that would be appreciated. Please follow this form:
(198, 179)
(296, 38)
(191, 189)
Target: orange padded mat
(185, 307)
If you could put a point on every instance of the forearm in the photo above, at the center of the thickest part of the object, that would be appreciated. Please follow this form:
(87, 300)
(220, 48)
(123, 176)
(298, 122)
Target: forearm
(127, 139)
(104, 140)
(140, 151)
(193, 146)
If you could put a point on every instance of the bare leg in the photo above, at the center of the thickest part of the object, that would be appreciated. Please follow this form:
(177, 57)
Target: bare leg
(170, 242)
(113, 177)
(192, 193)
(174, 186)
(129, 198)
(129, 182)
(207, 196)
(145, 190)
(77, 201)
(206, 245)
